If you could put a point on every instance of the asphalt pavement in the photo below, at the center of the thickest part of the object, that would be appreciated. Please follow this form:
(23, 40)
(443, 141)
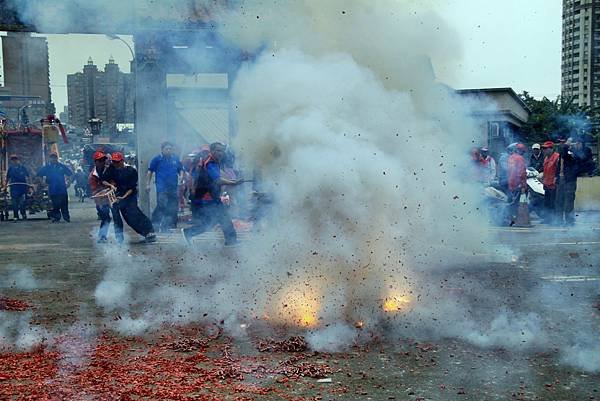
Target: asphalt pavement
(554, 269)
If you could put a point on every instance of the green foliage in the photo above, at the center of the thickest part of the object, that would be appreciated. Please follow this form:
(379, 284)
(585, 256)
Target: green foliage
(560, 118)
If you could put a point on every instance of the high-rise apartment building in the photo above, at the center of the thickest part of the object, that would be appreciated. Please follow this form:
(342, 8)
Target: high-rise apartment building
(107, 95)
(26, 67)
(581, 51)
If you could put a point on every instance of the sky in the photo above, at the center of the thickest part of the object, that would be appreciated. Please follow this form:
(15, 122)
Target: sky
(504, 43)
(69, 53)
(515, 43)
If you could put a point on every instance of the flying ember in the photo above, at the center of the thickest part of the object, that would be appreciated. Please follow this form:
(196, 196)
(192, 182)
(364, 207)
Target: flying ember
(396, 303)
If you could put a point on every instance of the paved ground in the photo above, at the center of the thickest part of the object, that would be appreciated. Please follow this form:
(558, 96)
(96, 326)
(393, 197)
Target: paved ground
(561, 263)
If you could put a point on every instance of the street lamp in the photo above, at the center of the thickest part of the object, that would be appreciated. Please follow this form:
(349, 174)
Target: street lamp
(133, 68)
(117, 37)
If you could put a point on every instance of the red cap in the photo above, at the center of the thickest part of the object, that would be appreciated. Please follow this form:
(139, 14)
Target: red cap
(117, 157)
(13, 157)
(548, 144)
(99, 155)
(522, 147)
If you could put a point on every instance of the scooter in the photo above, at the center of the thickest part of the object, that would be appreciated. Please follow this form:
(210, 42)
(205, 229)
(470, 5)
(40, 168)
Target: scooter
(496, 205)
(536, 191)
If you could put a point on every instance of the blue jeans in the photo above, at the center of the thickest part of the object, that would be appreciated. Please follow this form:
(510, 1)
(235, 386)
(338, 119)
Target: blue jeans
(104, 212)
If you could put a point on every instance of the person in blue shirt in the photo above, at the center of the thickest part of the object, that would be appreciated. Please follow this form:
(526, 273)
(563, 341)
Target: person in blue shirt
(56, 177)
(168, 171)
(18, 181)
(209, 209)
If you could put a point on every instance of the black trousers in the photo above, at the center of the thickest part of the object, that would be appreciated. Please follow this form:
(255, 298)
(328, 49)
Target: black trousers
(104, 212)
(60, 206)
(18, 203)
(133, 216)
(206, 216)
(565, 200)
(513, 208)
(549, 204)
(164, 215)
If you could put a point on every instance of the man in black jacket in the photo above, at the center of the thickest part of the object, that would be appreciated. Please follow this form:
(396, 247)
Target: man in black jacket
(536, 160)
(575, 160)
(125, 179)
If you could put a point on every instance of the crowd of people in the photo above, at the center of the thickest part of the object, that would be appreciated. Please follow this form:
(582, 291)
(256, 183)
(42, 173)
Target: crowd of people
(558, 165)
(200, 180)
(113, 184)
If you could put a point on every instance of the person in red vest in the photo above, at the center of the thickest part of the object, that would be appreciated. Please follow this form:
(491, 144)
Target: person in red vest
(209, 208)
(517, 176)
(551, 159)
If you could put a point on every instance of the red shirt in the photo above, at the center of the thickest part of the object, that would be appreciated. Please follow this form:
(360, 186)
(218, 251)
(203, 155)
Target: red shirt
(550, 169)
(517, 174)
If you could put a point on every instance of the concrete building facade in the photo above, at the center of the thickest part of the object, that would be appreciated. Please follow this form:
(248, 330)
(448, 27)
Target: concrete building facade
(498, 113)
(107, 95)
(581, 52)
(26, 67)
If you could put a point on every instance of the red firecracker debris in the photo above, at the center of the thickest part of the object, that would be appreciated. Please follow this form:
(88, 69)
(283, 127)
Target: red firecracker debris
(186, 365)
(13, 304)
(292, 344)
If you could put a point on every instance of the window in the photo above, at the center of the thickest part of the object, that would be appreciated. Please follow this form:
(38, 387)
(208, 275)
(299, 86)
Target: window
(494, 130)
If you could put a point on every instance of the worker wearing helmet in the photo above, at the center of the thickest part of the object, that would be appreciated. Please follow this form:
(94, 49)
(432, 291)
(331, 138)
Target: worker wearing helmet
(125, 179)
(104, 210)
(536, 160)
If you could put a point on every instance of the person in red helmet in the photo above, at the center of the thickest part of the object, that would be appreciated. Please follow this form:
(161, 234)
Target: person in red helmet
(549, 180)
(125, 180)
(517, 176)
(96, 185)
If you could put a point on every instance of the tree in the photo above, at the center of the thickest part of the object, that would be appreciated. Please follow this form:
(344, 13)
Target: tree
(558, 119)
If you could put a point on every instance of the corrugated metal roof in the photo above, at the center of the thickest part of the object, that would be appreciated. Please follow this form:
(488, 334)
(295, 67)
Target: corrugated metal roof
(210, 121)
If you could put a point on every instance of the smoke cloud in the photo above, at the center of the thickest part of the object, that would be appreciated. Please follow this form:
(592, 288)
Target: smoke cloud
(365, 166)
(18, 278)
(364, 154)
(16, 331)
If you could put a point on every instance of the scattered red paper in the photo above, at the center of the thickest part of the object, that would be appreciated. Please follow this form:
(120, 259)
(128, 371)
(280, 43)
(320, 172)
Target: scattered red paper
(13, 304)
(189, 366)
(292, 344)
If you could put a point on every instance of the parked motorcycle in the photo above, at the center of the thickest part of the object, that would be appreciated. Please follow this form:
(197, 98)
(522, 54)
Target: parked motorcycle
(535, 191)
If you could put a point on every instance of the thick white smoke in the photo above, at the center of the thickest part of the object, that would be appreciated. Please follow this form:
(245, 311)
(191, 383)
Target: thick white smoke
(365, 156)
